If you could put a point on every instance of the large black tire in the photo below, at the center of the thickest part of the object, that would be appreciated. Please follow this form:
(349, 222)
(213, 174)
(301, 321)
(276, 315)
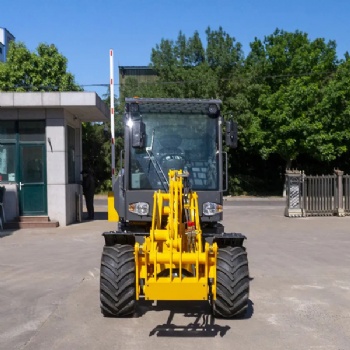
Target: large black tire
(117, 281)
(232, 288)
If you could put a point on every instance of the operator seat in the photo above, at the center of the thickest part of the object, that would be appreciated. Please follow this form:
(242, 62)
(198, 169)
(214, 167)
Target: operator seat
(171, 155)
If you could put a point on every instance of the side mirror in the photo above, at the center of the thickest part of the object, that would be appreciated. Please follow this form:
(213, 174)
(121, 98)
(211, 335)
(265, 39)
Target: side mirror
(138, 137)
(231, 134)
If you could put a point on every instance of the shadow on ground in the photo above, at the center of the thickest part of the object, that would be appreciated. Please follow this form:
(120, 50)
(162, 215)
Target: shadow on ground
(6, 233)
(99, 215)
(201, 321)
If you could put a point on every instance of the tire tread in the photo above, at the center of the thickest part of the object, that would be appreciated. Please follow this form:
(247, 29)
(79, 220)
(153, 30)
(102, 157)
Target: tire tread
(232, 289)
(117, 281)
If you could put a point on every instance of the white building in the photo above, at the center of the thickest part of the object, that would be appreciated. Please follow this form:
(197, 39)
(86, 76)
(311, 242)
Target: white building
(5, 38)
(41, 153)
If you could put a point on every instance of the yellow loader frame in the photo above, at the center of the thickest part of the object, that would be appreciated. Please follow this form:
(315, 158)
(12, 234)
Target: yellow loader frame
(174, 263)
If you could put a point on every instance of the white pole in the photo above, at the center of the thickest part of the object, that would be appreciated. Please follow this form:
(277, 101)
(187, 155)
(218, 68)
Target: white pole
(111, 67)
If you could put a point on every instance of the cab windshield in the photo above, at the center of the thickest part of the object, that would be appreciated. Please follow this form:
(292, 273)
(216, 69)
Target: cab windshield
(176, 141)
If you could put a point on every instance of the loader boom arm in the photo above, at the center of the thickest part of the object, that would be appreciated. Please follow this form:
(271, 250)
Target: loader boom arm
(173, 261)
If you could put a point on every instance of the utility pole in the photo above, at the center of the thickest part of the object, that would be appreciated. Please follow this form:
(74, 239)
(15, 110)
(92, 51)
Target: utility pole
(111, 88)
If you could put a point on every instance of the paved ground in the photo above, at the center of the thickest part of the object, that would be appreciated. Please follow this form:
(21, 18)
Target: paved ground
(300, 289)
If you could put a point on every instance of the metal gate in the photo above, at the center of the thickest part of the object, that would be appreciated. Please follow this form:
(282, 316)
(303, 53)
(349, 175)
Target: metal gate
(346, 182)
(318, 195)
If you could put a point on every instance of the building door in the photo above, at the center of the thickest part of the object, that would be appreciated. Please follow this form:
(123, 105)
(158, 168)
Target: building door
(32, 179)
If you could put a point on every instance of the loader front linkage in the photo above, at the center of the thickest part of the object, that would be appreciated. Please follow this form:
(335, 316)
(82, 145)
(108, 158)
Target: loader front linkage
(174, 262)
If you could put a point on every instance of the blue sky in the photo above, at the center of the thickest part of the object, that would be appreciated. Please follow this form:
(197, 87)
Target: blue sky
(85, 30)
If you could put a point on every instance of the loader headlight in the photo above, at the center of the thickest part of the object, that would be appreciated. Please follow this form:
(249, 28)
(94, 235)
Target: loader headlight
(210, 209)
(139, 208)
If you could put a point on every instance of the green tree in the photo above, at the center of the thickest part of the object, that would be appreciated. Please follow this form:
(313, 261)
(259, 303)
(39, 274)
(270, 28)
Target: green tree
(331, 138)
(187, 70)
(97, 147)
(290, 94)
(287, 73)
(43, 70)
(97, 154)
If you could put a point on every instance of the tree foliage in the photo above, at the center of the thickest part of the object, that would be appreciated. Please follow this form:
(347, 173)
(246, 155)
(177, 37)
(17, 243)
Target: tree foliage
(290, 94)
(97, 148)
(291, 72)
(97, 154)
(186, 69)
(42, 70)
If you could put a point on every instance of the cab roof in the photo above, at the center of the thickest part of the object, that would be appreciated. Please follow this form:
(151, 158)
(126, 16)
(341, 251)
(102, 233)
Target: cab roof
(173, 105)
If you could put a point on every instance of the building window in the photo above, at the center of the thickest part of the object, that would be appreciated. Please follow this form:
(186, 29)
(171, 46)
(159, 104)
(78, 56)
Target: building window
(71, 154)
(8, 130)
(7, 162)
(32, 131)
(8, 137)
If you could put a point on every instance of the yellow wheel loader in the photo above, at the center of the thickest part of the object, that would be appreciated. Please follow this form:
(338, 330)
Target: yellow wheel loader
(170, 244)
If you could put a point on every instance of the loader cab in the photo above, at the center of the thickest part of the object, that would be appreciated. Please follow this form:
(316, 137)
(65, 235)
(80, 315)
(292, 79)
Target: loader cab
(165, 134)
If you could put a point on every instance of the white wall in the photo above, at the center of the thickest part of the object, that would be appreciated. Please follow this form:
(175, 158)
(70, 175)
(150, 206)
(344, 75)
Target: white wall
(62, 195)
(56, 165)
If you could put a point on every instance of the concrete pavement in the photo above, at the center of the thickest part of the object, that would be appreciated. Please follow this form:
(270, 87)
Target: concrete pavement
(300, 289)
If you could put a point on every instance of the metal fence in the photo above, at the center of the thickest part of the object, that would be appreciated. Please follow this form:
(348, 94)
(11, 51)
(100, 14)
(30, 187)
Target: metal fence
(317, 195)
(346, 180)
